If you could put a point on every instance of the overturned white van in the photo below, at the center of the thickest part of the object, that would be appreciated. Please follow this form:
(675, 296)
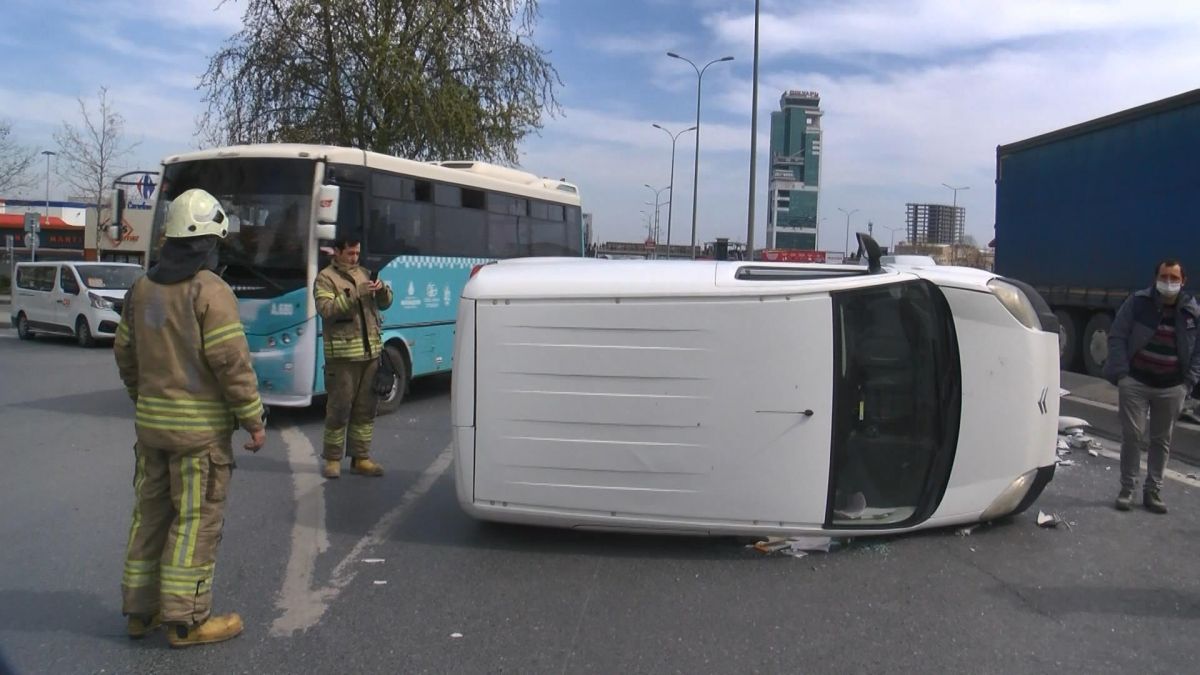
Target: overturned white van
(751, 398)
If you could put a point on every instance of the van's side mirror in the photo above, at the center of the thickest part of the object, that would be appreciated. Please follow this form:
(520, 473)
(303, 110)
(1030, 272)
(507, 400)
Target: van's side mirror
(327, 211)
(118, 214)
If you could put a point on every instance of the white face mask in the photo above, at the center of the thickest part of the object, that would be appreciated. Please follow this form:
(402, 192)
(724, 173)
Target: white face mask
(1168, 288)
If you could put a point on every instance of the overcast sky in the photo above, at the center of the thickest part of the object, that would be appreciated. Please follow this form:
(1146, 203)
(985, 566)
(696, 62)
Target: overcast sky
(916, 93)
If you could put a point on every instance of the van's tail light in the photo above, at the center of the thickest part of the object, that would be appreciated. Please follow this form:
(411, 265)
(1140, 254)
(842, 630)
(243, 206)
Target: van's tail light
(475, 269)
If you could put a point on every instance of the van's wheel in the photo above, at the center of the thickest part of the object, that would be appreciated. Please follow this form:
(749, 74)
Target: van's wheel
(1068, 340)
(1095, 344)
(23, 331)
(83, 334)
(396, 364)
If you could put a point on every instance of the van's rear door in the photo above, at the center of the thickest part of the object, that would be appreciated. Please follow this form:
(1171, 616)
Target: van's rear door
(700, 410)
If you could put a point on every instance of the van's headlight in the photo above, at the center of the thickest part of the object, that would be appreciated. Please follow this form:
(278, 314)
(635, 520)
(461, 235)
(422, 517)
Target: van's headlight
(1010, 498)
(1016, 302)
(99, 301)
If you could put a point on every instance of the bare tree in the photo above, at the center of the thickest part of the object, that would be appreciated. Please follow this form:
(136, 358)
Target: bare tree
(15, 161)
(90, 153)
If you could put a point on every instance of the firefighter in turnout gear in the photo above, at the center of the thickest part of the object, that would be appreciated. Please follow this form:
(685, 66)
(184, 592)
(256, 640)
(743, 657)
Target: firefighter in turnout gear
(183, 357)
(349, 303)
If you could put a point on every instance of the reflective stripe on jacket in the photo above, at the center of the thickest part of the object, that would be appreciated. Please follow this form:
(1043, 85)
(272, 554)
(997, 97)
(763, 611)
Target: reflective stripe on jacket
(352, 325)
(182, 354)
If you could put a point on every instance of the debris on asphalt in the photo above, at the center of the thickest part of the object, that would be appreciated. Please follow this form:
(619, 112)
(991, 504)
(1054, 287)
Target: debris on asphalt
(380, 582)
(372, 561)
(1093, 452)
(1050, 520)
(456, 635)
(966, 531)
(1066, 462)
(796, 547)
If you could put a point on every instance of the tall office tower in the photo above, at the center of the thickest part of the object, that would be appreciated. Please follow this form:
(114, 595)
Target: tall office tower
(794, 184)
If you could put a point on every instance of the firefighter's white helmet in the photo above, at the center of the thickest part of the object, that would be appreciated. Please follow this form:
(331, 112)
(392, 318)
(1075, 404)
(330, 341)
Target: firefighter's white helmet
(196, 213)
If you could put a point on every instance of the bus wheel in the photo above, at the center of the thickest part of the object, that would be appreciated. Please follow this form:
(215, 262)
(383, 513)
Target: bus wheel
(1095, 344)
(83, 334)
(398, 367)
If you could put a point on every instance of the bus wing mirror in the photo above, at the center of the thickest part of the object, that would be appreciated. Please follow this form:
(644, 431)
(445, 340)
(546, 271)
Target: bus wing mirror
(327, 211)
(118, 214)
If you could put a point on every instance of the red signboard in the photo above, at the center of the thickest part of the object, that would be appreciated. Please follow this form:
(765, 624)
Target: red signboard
(793, 255)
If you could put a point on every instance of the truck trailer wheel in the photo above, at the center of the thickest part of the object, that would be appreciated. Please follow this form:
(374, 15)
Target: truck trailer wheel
(1095, 344)
(1068, 340)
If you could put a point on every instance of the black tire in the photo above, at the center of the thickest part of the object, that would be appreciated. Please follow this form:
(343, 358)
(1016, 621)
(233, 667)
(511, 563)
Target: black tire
(1095, 344)
(23, 331)
(83, 333)
(1068, 341)
(391, 402)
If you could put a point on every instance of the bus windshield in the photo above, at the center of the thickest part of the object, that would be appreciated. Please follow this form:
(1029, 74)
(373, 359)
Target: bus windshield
(268, 202)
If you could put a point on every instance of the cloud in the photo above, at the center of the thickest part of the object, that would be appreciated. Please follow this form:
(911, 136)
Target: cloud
(636, 45)
(928, 27)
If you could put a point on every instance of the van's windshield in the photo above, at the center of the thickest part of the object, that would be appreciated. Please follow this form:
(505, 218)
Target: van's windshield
(108, 276)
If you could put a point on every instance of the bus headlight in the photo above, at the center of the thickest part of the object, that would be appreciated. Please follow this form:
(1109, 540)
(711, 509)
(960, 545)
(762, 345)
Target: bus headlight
(1016, 302)
(285, 339)
(271, 343)
(1010, 499)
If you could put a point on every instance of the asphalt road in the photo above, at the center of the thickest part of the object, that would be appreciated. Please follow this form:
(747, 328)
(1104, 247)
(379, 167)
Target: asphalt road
(388, 575)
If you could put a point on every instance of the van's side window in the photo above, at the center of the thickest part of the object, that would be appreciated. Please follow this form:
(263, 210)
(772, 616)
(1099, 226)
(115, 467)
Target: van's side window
(66, 281)
(39, 278)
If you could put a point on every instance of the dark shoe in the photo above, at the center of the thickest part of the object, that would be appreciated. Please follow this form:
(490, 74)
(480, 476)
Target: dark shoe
(141, 626)
(1124, 500)
(1152, 502)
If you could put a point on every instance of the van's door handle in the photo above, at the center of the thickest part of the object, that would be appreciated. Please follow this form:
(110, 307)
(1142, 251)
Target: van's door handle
(806, 413)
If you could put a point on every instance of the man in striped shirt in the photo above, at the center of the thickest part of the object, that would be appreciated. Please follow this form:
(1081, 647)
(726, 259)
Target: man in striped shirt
(1153, 360)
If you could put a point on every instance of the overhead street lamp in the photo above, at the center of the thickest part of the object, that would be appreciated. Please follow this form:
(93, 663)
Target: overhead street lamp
(696, 167)
(956, 189)
(848, 214)
(671, 187)
(892, 243)
(656, 205)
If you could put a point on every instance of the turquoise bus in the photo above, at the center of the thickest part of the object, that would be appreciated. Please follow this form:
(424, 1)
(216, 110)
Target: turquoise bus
(424, 227)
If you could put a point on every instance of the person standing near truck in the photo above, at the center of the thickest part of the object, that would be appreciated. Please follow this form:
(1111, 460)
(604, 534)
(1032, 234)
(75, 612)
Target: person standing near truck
(1153, 360)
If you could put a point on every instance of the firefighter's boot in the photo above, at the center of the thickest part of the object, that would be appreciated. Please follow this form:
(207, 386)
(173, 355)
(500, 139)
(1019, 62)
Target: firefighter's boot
(215, 629)
(332, 468)
(139, 626)
(365, 467)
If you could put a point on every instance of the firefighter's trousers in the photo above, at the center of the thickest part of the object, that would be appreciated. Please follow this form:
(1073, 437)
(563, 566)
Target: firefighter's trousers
(350, 408)
(179, 502)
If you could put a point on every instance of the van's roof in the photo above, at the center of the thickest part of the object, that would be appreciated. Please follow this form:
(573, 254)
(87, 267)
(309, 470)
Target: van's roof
(41, 263)
(599, 278)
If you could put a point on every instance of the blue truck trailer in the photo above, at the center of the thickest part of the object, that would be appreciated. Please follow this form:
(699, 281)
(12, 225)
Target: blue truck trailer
(1084, 213)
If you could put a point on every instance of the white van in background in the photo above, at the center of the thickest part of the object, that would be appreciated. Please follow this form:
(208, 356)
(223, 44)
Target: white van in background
(80, 299)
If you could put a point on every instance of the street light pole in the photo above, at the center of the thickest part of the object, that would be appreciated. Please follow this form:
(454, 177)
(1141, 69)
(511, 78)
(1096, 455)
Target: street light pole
(848, 214)
(46, 215)
(696, 167)
(657, 204)
(753, 146)
(671, 187)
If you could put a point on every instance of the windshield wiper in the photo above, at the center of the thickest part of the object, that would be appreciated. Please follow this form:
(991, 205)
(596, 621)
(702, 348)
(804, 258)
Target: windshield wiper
(243, 263)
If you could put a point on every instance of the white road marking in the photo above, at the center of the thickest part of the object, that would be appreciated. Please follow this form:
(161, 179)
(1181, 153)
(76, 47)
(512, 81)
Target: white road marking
(302, 602)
